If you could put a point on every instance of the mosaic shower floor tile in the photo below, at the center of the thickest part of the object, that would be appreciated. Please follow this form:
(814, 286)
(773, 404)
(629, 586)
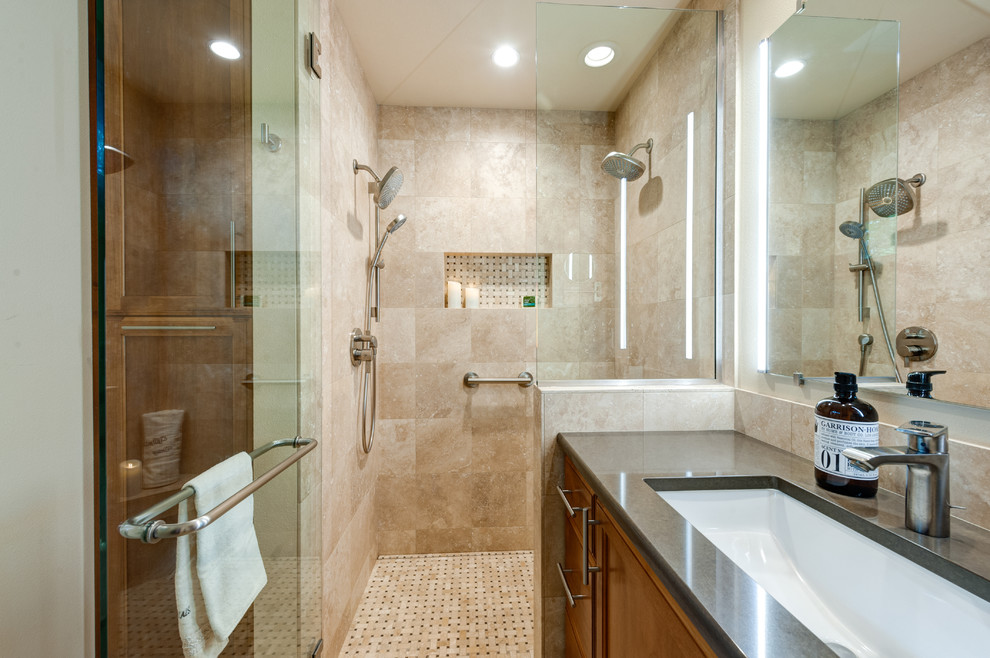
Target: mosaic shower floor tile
(451, 604)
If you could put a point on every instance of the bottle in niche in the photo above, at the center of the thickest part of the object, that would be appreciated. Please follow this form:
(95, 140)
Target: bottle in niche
(844, 421)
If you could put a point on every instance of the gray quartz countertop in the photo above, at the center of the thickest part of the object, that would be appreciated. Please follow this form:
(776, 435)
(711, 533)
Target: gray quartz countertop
(736, 616)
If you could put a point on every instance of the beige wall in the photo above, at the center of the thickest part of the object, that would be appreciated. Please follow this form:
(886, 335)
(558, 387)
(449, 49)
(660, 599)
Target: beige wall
(349, 119)
(943, 274)
(575, 213)
(771, 407)
(657, 205)
(801, 243)
(46, 484)
(457, 463)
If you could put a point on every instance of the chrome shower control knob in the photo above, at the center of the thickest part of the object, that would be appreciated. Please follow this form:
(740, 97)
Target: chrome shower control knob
(916, 344)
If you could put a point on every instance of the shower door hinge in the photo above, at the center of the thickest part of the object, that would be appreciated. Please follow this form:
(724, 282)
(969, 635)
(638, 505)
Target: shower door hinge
(313, 55)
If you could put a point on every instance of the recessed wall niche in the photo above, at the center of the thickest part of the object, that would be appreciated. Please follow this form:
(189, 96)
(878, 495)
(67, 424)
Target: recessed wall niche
(503, 280)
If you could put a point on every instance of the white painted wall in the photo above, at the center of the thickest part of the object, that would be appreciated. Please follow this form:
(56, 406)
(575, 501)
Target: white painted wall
(46, 502)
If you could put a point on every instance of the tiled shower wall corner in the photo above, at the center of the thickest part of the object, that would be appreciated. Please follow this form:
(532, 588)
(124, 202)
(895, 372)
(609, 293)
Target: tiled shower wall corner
(576, 215)
(457, 463)
(349, 127)
(679, 79)
(460, 467)
(941, 283)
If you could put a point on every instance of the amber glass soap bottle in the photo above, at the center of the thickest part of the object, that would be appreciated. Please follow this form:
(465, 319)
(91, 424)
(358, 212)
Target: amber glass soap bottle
(844, 421)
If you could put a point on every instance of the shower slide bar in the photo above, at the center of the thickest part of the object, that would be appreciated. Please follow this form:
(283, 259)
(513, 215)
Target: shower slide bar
(151, 531)
(525, 379)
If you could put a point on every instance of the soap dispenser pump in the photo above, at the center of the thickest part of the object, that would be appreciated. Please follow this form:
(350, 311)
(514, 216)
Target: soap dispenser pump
(844, 421)
(919, 383)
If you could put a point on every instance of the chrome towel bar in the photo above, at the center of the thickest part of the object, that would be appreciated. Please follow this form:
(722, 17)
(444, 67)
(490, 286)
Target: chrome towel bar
(525, 378)
(150, 531)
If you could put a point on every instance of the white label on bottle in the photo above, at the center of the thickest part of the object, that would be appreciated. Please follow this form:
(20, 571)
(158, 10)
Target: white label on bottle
(833, 436)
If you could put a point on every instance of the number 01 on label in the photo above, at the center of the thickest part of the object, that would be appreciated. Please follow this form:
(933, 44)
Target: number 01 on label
(834, 436)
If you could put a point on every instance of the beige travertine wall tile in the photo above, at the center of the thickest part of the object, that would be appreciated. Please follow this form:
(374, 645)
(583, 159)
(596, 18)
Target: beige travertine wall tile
(503, 539)
(396, 390)
(443, 501)
(500, 499)
(349, 119)
(444, 540)
(764, 418)
(397, 440)
(443, 445)
(506, 126)
(469, 187)
(440, 168)
(452, 124)
(682, 410)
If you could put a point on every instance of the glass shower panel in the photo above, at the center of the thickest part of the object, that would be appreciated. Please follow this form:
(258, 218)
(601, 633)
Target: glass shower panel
(633, 251)
(211, 257)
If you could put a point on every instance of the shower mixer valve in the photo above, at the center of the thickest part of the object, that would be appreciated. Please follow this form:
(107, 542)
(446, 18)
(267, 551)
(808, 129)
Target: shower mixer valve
(916, 344)
(364, 347)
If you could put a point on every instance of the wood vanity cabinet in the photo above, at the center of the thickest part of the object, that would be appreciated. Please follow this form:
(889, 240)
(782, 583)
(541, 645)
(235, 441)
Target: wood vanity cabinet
(631, 613)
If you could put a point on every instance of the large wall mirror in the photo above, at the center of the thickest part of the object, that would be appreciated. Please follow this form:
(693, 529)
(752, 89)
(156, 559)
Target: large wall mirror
(878, 150)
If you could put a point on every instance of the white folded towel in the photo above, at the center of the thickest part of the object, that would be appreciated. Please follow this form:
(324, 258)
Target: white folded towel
(229, 570)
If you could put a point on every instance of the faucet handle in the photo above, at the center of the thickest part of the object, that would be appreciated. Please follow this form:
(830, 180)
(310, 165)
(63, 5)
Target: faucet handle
(926, 437)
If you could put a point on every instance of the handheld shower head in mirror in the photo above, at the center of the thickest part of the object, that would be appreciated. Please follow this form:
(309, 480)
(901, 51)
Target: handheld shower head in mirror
(853, 230)
(623, 165)
(893, 197)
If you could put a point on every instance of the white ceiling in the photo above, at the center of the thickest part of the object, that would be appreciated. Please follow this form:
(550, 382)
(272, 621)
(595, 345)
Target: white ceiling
(841, 73)
(438, 52)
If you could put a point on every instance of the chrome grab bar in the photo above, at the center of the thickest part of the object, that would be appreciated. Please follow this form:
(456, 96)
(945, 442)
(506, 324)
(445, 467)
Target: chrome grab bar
(525, 379)
(150, 531)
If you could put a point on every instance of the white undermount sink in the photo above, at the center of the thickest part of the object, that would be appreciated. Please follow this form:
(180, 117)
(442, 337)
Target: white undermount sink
(858, 597)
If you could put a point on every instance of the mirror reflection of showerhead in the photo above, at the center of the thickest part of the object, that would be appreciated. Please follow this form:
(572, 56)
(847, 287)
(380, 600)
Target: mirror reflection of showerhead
(853, 230)
(893, 197)
(623, 165)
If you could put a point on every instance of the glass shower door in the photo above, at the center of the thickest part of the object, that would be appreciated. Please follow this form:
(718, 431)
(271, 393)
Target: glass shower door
(210, 348)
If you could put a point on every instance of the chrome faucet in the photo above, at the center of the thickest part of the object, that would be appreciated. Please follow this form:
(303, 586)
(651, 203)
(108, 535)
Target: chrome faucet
(926, 497)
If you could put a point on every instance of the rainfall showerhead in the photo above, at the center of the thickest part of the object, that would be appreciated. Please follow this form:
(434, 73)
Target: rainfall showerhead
(893, 197)
(387, 186)
(623, 165)
(853, 230)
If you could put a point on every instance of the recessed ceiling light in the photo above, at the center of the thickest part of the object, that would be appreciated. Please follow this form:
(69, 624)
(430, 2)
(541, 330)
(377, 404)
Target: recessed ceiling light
(505, 56)
(787, 69)
(225, 49)
(599, 54)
